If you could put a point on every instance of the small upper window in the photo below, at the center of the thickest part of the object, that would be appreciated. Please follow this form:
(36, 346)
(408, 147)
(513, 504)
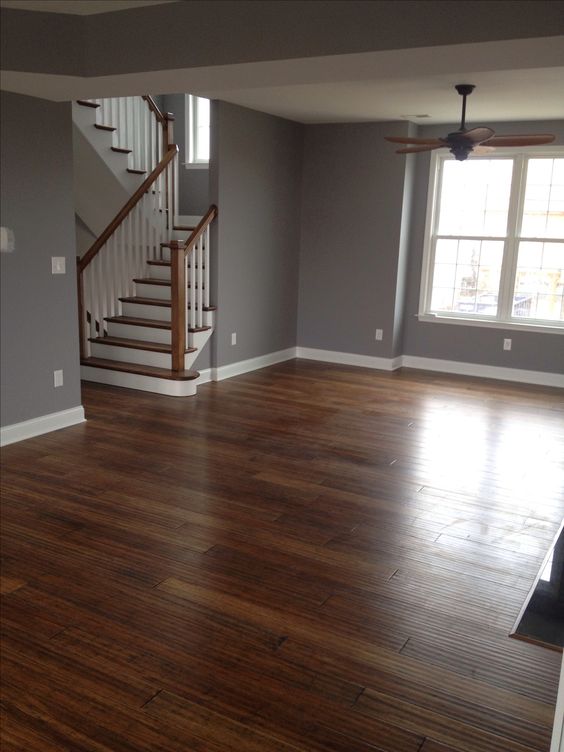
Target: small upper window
(198, 131)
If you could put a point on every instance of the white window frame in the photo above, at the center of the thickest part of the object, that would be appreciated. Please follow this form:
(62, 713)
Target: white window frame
(192, 135)
(504, 319)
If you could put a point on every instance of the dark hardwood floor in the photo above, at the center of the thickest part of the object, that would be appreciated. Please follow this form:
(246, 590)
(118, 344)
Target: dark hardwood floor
(308, 557)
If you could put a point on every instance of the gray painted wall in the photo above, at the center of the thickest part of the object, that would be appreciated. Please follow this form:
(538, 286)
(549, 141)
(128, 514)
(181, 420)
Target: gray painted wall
(351, 232)
(530, 350)
(256, 174)
(193, 184)
(39, 310)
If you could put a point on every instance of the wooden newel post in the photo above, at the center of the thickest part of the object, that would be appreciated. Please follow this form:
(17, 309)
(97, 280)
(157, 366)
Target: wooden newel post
(169, 129)
(178, 304)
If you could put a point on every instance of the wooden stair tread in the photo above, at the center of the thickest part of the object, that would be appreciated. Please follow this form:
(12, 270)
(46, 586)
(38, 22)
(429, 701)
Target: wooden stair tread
(137, 344)
(120, 150)
(104, 127)
(167, 263)
(86, 103)
(193, 329)
(136, 172)
(160, 373)
(146, 301)
(156, 302)
(153, 281)
(135, 321)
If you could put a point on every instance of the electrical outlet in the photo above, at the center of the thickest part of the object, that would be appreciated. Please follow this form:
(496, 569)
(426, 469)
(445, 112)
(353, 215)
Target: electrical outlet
(58, 265)
(234, 338)
(58, 378)
(507, 344)
(379, 334)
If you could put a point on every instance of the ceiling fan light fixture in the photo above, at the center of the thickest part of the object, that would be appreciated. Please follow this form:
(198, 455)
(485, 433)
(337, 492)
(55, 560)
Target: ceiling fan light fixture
(463, 142)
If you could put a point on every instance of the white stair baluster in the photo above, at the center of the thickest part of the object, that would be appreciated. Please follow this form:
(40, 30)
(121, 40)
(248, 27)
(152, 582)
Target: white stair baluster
(87, 325)
(138, 151)
(200, 278)
(143, 217)
(148, 118)
(187, 298)
(207, 267)
(192, 290)
(112, 279)
(175, 168)
(129, 254)
(153, 144)
(142, 138)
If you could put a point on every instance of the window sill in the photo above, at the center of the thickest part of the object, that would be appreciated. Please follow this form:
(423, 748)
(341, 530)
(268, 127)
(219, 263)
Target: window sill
(525, 327)
(196, 165)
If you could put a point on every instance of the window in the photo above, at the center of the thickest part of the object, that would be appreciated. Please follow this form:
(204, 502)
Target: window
(198, 131)
(495, 240)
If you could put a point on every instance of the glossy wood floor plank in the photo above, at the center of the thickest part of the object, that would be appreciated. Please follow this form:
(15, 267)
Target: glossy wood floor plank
(307, 558)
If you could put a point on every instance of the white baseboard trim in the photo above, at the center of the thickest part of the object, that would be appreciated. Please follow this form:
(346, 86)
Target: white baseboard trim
(519, 375)
(205, 377)
(252, 364)
(501, 373)
(27, 429)
(348, 359)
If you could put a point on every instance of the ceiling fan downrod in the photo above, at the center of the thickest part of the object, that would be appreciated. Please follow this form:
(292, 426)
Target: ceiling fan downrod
(464, 90)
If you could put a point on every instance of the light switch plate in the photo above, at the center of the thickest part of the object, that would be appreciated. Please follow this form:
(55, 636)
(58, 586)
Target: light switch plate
(58, 265)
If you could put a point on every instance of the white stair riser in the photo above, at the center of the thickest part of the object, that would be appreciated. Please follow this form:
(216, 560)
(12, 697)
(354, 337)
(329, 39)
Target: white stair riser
(136, 381)
(143, 333)
(157, 292)
(130, 355)
(160, 313)
(158, 272)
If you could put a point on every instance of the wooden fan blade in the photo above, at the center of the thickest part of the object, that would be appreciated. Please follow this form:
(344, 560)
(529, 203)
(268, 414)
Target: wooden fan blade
(422, 141)
(482, 149)
(413, 149)
(477, 135)
(521, 140)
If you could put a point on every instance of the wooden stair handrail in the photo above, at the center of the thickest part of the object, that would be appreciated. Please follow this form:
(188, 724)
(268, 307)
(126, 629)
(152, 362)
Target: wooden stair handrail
(154, 107)
(127, 208)
(166, 119)
(178, 288)
(208, 217)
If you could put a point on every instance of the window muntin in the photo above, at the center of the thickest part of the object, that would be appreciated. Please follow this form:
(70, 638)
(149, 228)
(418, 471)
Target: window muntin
(496, 250)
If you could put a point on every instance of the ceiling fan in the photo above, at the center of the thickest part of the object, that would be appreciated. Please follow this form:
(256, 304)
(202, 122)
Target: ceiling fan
(462, 142)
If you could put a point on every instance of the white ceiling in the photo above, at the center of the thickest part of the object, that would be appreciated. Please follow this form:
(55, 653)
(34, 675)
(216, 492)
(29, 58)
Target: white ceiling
(78, 7)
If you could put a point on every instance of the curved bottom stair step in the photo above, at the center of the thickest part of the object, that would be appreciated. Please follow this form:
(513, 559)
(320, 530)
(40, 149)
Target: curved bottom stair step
(138, 344)
(140, 370)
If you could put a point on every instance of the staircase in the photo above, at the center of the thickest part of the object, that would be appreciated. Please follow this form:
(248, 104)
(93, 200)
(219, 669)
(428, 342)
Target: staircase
(143, 285)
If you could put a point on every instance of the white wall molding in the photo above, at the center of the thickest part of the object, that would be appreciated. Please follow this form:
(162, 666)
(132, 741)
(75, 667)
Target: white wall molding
(348, 359)
(205, 376)
(541, 378)
(252, 364)
(27, 429)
